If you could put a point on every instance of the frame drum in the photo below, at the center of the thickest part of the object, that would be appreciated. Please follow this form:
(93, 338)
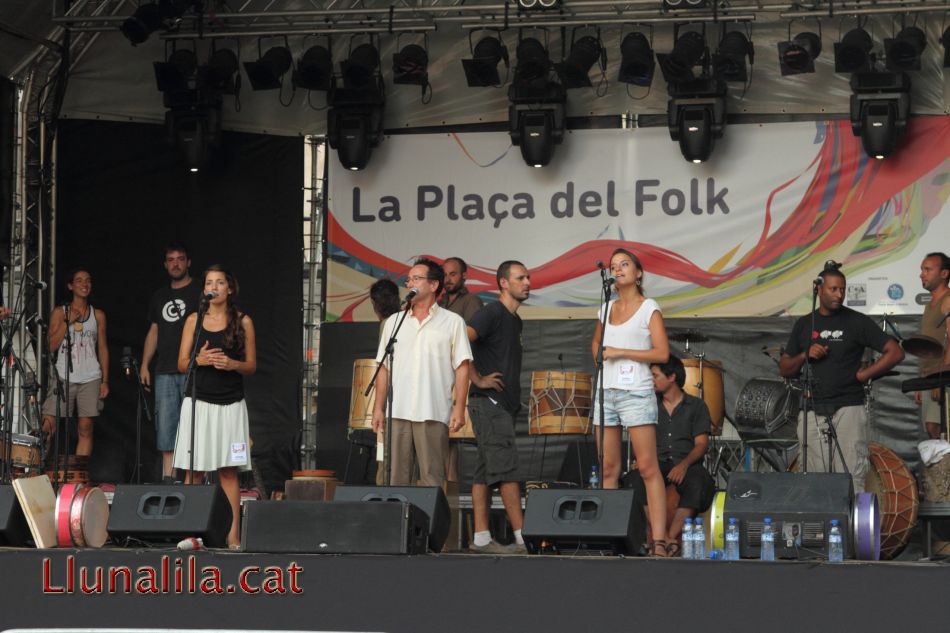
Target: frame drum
(361, 407)
(560, 403)
(896, 491)
(88, 517)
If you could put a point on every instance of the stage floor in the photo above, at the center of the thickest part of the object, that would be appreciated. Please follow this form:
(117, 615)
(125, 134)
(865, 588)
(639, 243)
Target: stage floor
(217, 589)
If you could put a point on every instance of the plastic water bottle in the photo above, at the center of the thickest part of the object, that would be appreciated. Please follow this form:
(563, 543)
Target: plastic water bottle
(767, 547)
(732, 540)
(687, 537)
(835, 546)
(699, 540)
(594, 480)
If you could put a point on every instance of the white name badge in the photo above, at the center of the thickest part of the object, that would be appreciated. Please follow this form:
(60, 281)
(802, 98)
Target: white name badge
(238, 453)
(626, 374)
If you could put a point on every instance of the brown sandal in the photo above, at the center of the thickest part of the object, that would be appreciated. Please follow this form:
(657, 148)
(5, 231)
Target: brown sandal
(659, 549)
(673, 549)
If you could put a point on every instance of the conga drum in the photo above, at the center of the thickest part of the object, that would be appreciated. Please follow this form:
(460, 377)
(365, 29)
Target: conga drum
(25, 454)
(896, 490)
(560, 403)
(361, 406)
(713, 393)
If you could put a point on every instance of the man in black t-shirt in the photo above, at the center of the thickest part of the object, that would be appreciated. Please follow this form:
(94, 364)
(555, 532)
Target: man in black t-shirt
(166, 314)
(494, 400)
(834, 350)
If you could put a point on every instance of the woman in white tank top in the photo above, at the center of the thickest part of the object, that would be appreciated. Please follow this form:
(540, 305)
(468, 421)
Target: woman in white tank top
(635, 337)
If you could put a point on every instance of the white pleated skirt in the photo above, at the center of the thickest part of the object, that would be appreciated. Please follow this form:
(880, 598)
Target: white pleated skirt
(222, 438)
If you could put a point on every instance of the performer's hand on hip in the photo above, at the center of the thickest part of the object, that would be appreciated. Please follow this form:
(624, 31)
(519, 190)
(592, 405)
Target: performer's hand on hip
(491, 381)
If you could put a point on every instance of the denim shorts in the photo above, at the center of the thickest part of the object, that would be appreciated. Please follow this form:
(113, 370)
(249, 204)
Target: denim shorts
(626, 408)
(169, 392)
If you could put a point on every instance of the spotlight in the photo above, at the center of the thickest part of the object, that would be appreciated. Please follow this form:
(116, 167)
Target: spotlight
(196, 133)
(221, 72)
(684, 4)
(696, 116)
(151, 16)
(177, 72)
(362, 66)
(410, 66)
(146, 20)
(945, 40)
(729, 60)
(355, 118)
(538, 126)
(534, 65)
(585, 52)
(482, 69)
(539, 5)
(797, 56)
(267, 73)
(880, 107)
(637, 63)
(689, 49)
(315, 69)
(903, 52)
(853, 52)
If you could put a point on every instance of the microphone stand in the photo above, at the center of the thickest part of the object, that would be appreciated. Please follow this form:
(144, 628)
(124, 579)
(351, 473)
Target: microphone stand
(606, 283)
(390, 354)
(192, 376)
(69, 369)
(143, 405)
(808, 396)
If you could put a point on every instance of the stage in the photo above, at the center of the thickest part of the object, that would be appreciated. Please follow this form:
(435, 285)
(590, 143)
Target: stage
(216, 589)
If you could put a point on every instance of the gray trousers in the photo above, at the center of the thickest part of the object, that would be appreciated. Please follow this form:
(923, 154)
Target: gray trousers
(851, 425)
(425, 443)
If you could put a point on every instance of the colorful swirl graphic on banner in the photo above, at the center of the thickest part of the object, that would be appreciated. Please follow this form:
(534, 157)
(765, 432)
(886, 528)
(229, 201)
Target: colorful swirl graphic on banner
(872, 206)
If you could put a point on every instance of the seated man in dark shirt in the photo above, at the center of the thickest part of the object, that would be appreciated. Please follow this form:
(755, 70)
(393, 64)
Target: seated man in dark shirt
(682, 438)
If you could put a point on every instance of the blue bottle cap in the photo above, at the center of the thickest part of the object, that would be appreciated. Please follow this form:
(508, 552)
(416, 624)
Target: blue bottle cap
(699, 520)
(767, 520)
(834, 522)
(732, 520)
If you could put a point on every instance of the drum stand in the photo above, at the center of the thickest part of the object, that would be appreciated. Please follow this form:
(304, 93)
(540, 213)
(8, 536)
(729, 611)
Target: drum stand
(831, 433)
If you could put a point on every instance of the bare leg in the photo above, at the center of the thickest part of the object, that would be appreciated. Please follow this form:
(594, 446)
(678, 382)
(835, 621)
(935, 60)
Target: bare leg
(84, 445)
(168, 458)
(232, 490)
(511, 497)
(679, 517)
(610, 469)
(481, 503)
(643, 442)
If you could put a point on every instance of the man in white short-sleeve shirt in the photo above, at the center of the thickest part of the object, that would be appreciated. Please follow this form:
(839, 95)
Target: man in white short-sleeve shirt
(430, 379)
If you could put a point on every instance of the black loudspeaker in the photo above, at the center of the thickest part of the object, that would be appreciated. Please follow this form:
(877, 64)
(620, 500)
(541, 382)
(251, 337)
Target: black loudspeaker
(14, 531)
(429, 499)
(170, 513)
(801, 506)
(573, 521)
(334, 527)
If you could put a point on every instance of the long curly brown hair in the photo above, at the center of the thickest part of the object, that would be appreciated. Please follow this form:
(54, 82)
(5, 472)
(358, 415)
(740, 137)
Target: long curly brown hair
(234, 332)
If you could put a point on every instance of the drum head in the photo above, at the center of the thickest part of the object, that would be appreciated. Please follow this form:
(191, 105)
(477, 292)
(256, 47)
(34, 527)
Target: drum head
(896, 489)
(93, 517)
(866, 527)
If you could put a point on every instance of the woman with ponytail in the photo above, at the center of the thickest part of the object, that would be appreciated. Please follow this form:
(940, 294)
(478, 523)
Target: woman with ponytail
(226, 353)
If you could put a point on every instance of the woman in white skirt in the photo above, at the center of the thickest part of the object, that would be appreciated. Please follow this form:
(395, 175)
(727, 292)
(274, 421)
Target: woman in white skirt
(635, 337)
(226, 353)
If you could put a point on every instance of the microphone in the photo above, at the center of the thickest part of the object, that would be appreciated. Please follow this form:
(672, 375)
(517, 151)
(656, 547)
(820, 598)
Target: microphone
(409, 297)
(208, 296)
(126, 361)
(609, 280)
(40, 285)
(600, 265)
(819, 280)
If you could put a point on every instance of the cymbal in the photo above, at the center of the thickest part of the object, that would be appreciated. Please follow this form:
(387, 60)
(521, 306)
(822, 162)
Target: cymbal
(693, 336)
(922, 346)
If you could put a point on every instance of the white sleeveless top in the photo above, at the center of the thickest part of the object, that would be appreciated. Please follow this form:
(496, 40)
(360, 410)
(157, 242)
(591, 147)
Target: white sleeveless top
(634, 333)
(85, 351)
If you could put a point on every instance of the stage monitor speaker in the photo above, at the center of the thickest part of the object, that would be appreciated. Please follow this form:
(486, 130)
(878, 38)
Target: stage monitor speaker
(801, 506)
(169, 513)
(568, 521)
(429, 499)
(334, 527)
(14, 531)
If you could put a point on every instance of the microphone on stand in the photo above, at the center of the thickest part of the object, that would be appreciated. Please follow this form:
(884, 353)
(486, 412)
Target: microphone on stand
(126, 362)
(208, 296)
(409, 297)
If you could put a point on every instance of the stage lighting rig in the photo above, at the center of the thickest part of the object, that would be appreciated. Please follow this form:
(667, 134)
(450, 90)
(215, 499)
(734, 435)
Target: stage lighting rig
(536, 110)
(482, 69)
(585, 52)
(539, 5)
(880, 108)
(797, 55)
(267, 73)
(696, 116)
(902, 52)
(315, 68)
(689, 50)
(152, 16)
(729, 61)
(637, 60)
(853, 53)
(411, 66)
(355, 118)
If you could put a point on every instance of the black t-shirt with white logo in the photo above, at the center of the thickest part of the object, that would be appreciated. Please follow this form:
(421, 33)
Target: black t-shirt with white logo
(168, 309)
(846, 333)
